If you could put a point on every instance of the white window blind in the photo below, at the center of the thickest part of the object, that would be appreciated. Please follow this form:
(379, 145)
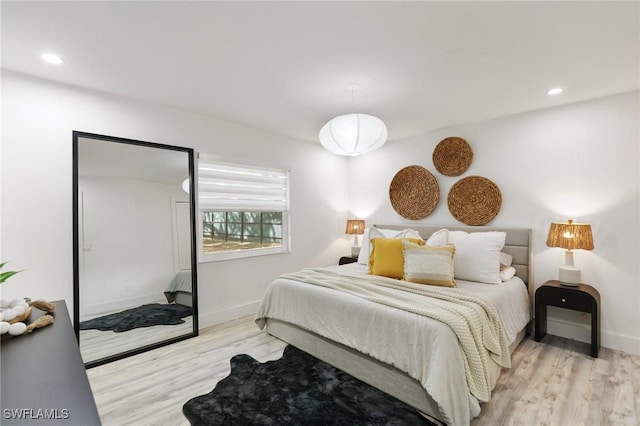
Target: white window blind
(235, 187)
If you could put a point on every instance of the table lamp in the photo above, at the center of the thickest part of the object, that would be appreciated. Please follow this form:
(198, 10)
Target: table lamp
(355, 227)
(570, 236)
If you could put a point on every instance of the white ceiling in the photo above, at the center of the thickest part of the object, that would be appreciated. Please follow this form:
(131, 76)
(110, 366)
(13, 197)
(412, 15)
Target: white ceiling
(287, 66)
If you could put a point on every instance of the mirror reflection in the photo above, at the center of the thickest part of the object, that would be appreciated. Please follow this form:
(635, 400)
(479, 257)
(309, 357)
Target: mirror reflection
(135, 286)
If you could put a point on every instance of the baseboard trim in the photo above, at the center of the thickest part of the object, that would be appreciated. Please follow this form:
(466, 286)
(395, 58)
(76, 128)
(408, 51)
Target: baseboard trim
(218, 317)
(582, 333)
(628, 344)
(99, 309)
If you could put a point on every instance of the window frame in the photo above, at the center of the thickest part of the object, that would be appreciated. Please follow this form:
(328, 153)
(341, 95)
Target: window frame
(245, 253)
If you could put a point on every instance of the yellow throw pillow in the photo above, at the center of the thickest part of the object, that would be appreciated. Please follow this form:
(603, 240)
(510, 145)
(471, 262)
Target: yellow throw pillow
(386, 257)
(429, 264)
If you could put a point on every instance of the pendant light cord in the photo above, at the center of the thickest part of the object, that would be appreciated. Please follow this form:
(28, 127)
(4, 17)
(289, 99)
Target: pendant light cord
(353, 102)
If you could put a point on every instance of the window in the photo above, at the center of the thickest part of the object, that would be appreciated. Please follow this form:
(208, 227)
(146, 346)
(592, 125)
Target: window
(231, 231)
(243, 210)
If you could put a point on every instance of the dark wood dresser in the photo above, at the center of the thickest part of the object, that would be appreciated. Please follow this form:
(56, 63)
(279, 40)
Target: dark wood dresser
(43, 376)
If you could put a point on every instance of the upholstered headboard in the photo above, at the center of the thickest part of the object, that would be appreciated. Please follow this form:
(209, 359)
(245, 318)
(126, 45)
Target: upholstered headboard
(518, 243)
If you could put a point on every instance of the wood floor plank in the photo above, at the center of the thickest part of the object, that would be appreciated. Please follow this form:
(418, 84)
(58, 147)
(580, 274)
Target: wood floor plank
(554, 382)
(623, 406)
(580, 384)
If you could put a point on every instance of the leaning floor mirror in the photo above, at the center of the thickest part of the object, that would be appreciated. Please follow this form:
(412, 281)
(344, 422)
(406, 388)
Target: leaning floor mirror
(134, 246)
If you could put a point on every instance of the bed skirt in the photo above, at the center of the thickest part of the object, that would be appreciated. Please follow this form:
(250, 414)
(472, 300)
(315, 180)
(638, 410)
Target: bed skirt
(371, 371)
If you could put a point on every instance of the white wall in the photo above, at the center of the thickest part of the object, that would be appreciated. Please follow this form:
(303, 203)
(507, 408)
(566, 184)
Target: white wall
(128, 255)
(38, 118)
(578, 161)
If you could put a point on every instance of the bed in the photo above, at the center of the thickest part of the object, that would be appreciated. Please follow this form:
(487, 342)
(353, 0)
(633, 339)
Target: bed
(179, 289)
(417, 360)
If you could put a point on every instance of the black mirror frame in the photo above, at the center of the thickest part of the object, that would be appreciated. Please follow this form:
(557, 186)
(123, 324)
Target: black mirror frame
(76, 246)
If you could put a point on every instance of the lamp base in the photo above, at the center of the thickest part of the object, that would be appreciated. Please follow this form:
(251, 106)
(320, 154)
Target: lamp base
(355, 251)
(569, 276)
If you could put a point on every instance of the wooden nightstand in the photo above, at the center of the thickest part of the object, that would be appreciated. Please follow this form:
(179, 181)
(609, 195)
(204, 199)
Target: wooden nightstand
(583, 298)
(347, 259)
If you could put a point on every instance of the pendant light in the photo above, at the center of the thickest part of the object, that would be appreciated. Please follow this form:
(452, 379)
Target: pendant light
(353, 134)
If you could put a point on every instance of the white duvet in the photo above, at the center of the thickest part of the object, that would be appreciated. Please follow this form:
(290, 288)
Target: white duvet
(424, 348)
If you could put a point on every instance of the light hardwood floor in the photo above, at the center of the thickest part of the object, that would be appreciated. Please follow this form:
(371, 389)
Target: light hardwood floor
(96, 344)
(550, 383)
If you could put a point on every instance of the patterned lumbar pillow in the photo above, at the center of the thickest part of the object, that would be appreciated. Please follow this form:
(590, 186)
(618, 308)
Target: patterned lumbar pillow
(429, 264)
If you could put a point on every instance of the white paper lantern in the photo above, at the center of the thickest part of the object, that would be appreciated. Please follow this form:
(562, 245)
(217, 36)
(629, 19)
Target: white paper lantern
(353, 134)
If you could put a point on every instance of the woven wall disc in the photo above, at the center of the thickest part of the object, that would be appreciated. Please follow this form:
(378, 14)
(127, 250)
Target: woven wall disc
(452, 156)
(414, 192)
(474, 200)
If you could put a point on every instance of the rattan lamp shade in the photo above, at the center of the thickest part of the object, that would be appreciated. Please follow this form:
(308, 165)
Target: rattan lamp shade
(355, 227)
(569, 235)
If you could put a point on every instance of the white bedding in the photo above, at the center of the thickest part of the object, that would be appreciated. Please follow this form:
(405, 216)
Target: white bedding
(181, 282)
(510, 298)
(424, 348)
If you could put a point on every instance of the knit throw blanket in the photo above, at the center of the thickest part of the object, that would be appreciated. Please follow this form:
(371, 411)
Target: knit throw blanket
(475, 321)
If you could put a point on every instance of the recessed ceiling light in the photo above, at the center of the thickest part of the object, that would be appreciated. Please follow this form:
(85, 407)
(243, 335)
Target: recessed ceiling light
(52, 59)
(555, 91)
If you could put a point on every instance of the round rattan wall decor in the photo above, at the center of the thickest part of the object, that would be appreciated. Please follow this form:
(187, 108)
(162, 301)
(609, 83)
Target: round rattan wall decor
(452, 156)
(414, 192)
(474, 200)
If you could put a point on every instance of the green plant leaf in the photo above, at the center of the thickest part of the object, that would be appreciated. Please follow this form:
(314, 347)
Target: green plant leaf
(2, 264)
(6, 275)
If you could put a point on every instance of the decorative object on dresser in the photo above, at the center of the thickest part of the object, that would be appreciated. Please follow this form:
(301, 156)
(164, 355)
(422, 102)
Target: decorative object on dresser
(474, 200)
(581, 297)
(353, 134)
(414, 192)
(12, 312)
(295, 389)
(452, 156)
(355, 227)
(570, 236)
(16, 313)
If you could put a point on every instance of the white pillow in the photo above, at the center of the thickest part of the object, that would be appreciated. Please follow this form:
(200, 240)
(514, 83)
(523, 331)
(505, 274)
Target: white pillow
(505, 260)
(478, 255)
(371, 233)
(363, 256)
(438, 238)
(507, 273)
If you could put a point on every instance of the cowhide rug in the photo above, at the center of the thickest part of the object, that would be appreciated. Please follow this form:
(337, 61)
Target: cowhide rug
(142, 316)
(296, 389)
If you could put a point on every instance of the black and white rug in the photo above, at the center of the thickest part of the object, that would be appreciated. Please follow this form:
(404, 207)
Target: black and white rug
(142, 316)
(296, 389)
